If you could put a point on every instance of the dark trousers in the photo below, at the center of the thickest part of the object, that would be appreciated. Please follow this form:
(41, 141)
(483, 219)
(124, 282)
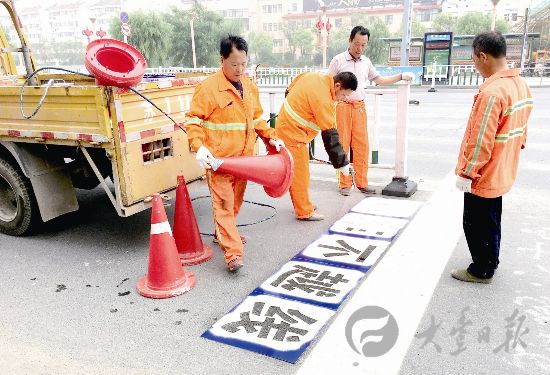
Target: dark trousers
(481, 223)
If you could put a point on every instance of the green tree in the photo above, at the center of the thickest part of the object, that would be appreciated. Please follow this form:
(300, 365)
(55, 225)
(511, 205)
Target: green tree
(289, 30)
(377, 50)
(304, 41)
(476, 22)
(261, 48)
(209, 28)
(339, 42)
(418, 29)
(149, 35)
(444, 22)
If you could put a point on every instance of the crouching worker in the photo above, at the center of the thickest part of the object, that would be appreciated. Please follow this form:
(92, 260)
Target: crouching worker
(310, 107)
(223, 120)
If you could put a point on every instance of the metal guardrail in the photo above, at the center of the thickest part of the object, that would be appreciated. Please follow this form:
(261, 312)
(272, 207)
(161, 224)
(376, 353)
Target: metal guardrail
(441, 75)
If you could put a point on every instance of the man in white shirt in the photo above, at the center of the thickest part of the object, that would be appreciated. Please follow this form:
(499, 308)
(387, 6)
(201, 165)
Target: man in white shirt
(351, 116)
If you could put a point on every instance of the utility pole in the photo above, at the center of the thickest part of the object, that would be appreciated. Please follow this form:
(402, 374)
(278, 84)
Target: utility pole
(494, 20)
(407, 30)
(191, 19)
(324, 35)
(524, 47)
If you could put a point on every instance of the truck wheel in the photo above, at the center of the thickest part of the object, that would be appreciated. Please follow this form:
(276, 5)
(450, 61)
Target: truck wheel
(18, 208)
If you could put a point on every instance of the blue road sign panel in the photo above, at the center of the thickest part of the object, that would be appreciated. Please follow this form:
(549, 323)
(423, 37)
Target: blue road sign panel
(124, 17)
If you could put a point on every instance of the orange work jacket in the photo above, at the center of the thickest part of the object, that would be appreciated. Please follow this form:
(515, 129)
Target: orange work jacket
(222, 121)
(308, 108)
(496, 132)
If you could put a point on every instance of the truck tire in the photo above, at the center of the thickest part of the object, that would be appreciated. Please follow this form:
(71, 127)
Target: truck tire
(18, 208)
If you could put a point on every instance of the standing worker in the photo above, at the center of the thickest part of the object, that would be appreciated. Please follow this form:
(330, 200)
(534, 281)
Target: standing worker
(223, 120)
(489, 155)
(309, 108)
(351, 114)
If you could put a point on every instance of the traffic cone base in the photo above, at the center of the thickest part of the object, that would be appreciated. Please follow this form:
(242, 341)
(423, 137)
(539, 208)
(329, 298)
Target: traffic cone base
(181, 286)
(165, 275)
(188, 239)
(193, 259)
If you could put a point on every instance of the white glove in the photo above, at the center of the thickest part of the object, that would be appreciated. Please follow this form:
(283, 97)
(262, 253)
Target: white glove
(407, 76)
(204, 157)
(277, 143)
(345, 170)
(464, 184)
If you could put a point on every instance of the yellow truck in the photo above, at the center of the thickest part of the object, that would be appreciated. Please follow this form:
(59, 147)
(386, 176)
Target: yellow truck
(81, 134)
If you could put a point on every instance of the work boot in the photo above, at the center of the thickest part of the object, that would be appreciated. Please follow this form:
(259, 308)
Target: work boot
(345, 191)
(314, 217)
(217, 242)
(235, 264)
(464, 275)
(367, 190)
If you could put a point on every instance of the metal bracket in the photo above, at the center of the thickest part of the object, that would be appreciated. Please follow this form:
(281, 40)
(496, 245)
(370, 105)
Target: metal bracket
(101, 180)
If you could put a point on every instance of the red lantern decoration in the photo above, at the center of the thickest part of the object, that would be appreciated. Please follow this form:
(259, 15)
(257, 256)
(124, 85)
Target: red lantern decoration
(88, 33)
(100, 33)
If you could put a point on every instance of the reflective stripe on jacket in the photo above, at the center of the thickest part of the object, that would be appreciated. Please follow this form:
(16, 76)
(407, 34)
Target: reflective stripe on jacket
(222, 121)
(308, 108)
(496, 132)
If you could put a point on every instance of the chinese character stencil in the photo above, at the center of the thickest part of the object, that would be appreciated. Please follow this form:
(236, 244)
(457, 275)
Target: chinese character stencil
(513, 337)
(429, 334)
(345, 249)
(339, 248)
(274, 319)
(460, 332)
(483, 335)
(368, 226)
(319, 283)
(310, 280)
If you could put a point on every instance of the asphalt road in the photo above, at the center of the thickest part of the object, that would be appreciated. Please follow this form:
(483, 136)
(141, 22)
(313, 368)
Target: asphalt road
(64, 291)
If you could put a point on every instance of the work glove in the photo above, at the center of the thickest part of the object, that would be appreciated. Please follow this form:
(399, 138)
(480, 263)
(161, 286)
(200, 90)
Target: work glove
(464, 184)
(345, 170)
(277, 143)
(204, 157)
(407, 76)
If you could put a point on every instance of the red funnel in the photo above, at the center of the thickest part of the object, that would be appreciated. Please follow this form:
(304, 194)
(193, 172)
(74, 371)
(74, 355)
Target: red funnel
(114, 63)
(274, 171)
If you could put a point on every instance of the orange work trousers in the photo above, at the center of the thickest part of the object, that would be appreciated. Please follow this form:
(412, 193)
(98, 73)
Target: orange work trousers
(227, 193)
(351, 119)
(299, 188)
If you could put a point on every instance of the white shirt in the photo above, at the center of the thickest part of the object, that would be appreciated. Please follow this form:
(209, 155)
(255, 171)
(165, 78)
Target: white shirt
(361, 67)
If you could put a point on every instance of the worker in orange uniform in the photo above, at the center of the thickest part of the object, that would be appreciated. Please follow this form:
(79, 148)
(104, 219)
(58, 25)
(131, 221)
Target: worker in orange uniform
(489, 155)
(309, 107)
(224, 117)
(351, 114)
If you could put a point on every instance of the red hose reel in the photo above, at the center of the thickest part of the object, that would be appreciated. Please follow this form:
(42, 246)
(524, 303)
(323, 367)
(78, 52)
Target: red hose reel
(114, 63)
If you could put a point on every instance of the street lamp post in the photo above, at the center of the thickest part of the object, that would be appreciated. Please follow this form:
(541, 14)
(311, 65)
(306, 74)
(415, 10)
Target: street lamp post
(494, 20)
(192, 16)
(324, 35)
(92, 20)
(524, 45)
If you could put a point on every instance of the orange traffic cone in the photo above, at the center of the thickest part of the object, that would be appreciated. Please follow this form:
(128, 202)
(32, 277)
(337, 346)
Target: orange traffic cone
(165, 277)
(274, 171)
(186, 231)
